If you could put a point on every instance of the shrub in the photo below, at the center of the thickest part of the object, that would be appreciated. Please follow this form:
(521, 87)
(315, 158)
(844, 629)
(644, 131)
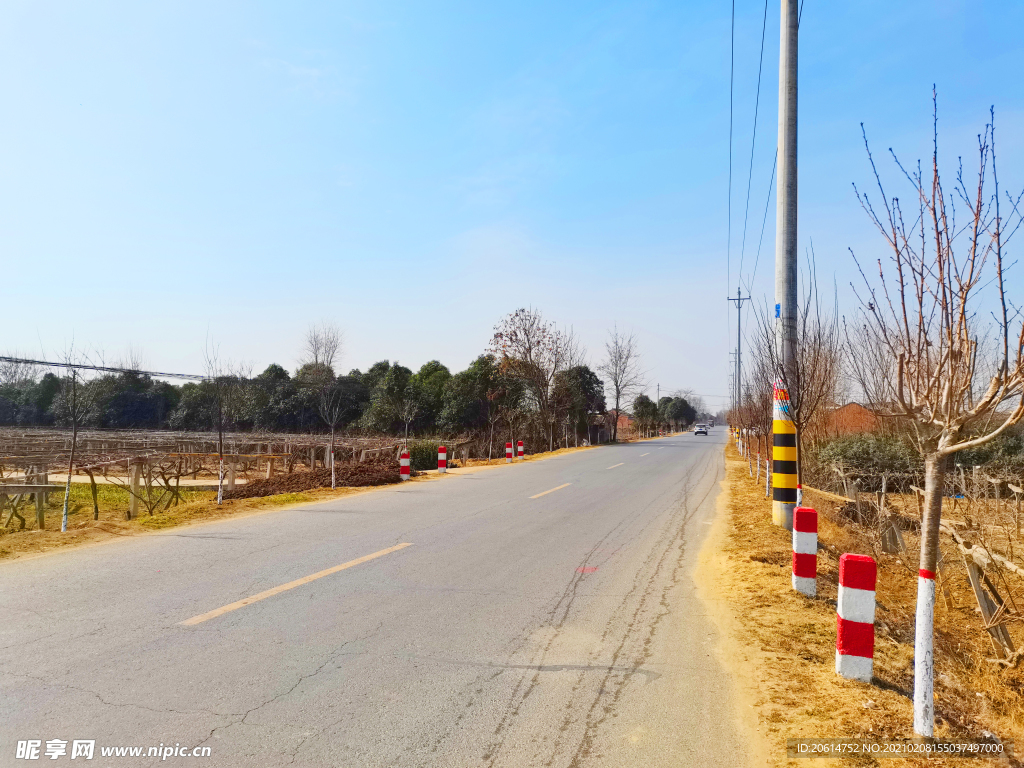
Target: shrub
(1005, 451)
(423, 454)
(868, 453)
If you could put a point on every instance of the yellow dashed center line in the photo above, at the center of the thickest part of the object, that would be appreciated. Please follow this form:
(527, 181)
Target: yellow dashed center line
(613, 466)
(290, 585)
(645, 454)
(545, 493)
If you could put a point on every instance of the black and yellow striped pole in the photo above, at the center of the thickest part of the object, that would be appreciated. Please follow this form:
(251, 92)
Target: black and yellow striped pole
(784, 477)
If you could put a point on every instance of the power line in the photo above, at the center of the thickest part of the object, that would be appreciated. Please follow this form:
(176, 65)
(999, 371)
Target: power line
(732, 73)
(775, 165)
(767, 202)
(753, 139)
(107, 369)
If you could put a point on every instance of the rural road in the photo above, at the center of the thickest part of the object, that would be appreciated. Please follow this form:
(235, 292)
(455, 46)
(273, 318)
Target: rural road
(560, 630)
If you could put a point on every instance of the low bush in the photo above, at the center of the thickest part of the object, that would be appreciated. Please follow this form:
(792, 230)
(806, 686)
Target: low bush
(423, 454)
(1005, 451)
(868, 453)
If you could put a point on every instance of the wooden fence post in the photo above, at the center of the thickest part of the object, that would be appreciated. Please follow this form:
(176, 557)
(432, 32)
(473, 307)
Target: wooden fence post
(40, 502)
(993, 609)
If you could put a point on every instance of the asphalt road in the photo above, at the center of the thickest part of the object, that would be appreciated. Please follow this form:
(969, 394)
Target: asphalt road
(561, 630)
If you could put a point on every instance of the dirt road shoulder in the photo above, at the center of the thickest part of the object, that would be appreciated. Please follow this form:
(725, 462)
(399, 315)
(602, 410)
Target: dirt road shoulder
(780, 646)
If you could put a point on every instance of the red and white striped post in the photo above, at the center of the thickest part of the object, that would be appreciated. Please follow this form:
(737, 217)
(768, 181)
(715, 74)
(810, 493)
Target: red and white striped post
(855, 635)
(508, 453)
(403, 465)
(519, 447)
(805, 551)
(442, 460)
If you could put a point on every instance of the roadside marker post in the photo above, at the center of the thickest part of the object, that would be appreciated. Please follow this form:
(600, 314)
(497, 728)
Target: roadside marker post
(403, 465)
(805, 551)
(442, 460)
(855, 617)
(508, 453)
(519, 447)
(784, 459)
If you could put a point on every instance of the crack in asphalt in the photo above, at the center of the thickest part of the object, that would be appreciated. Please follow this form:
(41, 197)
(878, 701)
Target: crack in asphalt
(99, 697)
(677, 543)
(332, 656)
(517, 700)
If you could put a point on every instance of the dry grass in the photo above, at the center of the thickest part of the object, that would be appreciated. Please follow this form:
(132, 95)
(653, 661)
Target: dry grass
(791, 639)
(197, 506)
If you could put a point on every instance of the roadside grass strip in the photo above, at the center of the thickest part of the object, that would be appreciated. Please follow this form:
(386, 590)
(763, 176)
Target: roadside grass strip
(552, 490)
(290, 585)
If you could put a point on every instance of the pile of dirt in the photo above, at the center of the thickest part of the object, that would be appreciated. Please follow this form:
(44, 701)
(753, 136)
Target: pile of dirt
(381, 472)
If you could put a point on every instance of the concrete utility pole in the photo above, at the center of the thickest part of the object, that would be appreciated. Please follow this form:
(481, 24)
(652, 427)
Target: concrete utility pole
(738, 380)
(784, 453)
(786, 212)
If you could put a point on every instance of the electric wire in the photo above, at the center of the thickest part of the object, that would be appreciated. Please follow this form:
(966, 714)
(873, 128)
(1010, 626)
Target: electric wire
(764, 221)
(105, 369)
(753, 139)
(771, 183)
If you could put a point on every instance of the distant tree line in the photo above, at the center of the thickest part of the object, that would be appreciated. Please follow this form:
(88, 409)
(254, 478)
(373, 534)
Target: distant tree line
(532, 383)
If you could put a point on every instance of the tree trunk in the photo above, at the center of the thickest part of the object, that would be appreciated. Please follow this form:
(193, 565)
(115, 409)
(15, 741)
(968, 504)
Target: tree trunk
(799, 456)
(924, 654)
(334, 483)
(71, 464)
(220, 447)
(615, 423)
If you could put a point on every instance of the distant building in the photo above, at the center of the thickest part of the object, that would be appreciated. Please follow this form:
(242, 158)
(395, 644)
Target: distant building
(850, 419)
(625, 422)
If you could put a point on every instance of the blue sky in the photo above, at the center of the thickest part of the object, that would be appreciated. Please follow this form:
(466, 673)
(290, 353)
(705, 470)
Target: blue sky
(413, 171)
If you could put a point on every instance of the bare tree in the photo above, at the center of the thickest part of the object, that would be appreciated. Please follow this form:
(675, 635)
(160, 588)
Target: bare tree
(131, 360)
(215, 373)
(925, 312)
(73, 407)
(695, 400)
(755, 412)
(322, 345)
(622, 368)
(17, 374)
(331, 407)
(813, 380)
(408, 408)
(534, 351)
(494, 415)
